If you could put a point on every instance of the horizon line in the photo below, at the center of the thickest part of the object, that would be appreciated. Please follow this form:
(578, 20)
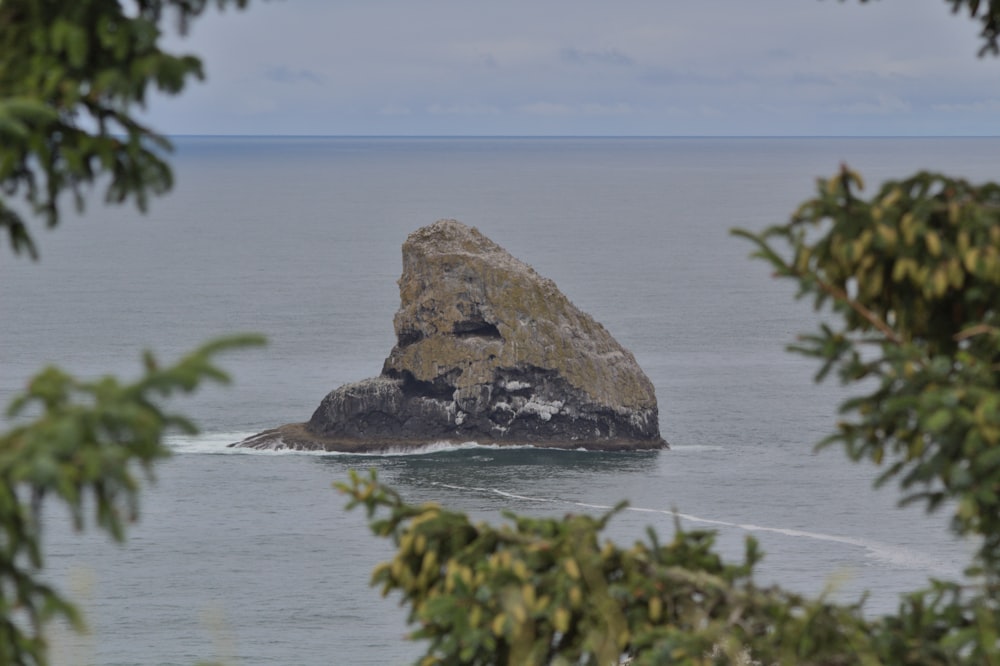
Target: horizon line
(584, 136)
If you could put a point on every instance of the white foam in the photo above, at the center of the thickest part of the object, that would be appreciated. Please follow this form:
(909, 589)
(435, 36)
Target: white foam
(898, 556)
(219, 443)
(439, 447)
(694, 448)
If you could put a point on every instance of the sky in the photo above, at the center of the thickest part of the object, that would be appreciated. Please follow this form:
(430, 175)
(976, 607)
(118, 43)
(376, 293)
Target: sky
(586, 68)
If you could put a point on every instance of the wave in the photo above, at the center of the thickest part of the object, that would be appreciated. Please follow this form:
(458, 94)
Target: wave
(897, 556)
(218, 443)
(695, 448)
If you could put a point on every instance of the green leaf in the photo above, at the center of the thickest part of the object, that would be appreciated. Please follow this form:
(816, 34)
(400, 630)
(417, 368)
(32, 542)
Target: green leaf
(938, 420)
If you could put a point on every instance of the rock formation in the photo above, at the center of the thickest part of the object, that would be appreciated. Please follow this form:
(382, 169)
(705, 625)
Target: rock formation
(489, 351)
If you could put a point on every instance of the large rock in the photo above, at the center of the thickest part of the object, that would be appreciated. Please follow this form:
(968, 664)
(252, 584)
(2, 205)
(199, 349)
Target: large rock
(489, 351)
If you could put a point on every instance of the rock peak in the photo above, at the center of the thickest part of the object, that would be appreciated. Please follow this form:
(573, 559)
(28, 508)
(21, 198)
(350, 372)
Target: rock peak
(451, 236)
(486, 350)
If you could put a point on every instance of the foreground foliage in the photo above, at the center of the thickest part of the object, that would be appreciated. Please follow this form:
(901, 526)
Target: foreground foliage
(84, 447)
(72, 75)
(913, 279)
(910, 283)
(919, 290)
(914, 275)
(548, 591)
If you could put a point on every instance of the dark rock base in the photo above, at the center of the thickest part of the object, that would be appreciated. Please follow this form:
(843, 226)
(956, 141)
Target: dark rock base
(297, 437)
(527, 407)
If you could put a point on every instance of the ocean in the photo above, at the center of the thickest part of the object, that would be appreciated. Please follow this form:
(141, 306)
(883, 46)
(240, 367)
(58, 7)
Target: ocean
(249, 557)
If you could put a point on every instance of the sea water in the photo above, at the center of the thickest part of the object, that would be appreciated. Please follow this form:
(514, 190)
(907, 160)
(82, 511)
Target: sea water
(250, 557)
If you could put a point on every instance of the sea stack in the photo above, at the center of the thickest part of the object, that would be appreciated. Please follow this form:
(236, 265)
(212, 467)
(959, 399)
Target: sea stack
(489, 351)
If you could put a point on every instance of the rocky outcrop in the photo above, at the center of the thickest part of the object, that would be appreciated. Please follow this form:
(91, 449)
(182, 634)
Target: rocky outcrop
(490, 351)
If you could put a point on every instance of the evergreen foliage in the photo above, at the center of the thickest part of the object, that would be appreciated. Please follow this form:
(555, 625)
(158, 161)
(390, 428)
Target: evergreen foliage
(910, 280)
(72, 75)
(914, 275)
(84, 446)
(911, 274)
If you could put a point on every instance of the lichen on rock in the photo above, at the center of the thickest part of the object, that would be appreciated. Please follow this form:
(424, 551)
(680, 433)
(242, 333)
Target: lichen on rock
(487, 350)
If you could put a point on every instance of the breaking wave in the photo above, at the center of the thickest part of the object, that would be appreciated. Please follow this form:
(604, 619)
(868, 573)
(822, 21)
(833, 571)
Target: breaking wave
(897, 556)
(218, 443)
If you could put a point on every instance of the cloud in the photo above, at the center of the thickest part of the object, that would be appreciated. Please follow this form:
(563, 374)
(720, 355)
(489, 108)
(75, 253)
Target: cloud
(615, 109)
(523, 67)
(585, 109)
(284, 74)
(607, 57)
(462, 110)
(978, 106)
(394, 110)
(882, 105)
(666, 76)
(545, 109)
(781, 54)
(811, 79)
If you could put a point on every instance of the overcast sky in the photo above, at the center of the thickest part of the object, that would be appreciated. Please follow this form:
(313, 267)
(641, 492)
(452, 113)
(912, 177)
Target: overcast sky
(587, 67)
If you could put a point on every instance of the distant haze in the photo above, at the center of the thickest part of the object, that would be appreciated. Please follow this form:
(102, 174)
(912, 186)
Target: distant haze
(587, 67)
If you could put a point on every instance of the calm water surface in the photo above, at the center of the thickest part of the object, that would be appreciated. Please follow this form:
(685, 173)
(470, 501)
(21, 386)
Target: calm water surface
(250, 556)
